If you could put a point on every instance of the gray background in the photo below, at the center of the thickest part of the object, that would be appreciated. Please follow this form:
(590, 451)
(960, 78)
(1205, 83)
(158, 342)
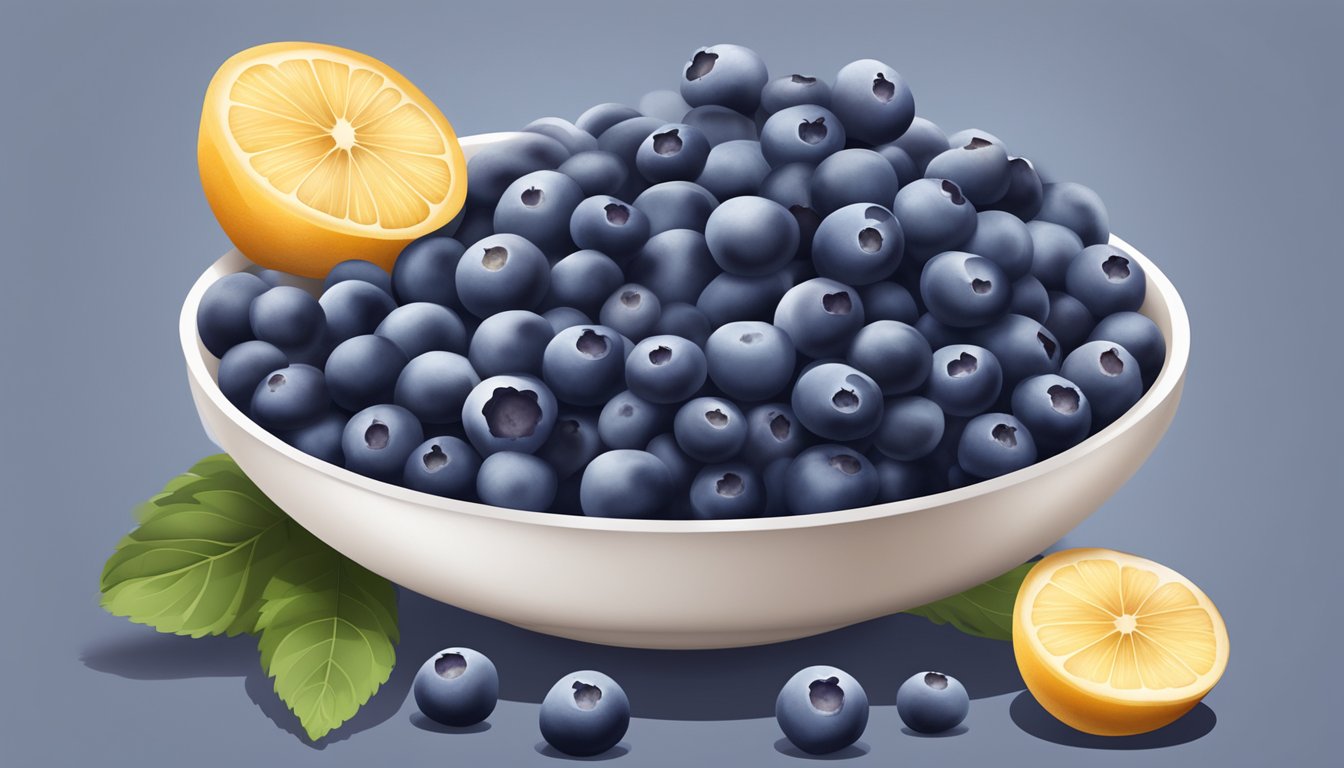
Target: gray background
(1209, 129)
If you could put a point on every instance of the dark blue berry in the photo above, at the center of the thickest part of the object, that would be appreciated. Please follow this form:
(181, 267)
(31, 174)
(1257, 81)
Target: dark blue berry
(922, 141)
(978, 167)
(584, 714)
(681, 467)
(676, 265)
(750, 360)
(676, 205)
(1133, 331)
(457, 687)
(934, 216)
(421, 327)
(1022, 346)
(886, 300)
(516, 481)
(502, 272)
(852, 176)
(665, 369)
(290, 397)
(911, 428)
(623, 140)
(995, 444)
(1003, 239)
(625, 483)
(720, 125)
(821, 316)
(378, 440)
(859, 244)
(574, 442)
(965, 379)
(931, 702)
(1104, 278)
(583, 280)
(426, 270)
(710, 429)
(751, 236)
(730, 297)
(354, 308)
(444, 466)
(512, 341)
(584, 364)
(561, 318)
(964, 290)
(631, 310)
(363, 371)
(1069, 321)
(597, 119)
(493, 169)
(873, 100)
(773, 432)
(434, 386)
(1053, 249)
(573, 137)
(684, 320)
(1108, 375)
(826, 478)
(1025, 190)
(596, 172)
(734, 168)
(322, 438)
(1055, 410)
(628, 421)
(837, 402)
(674, 152)
(900, 161)
(793, 90)
(895, 355)
(615, 228)
(898, 480)
(223, 319)
(665, 105)
(1030, 299)
(243, 366)
(727, 75)
(359, 269)
(806, 133)
(1077, 207)
(538, 207)
(509, 413)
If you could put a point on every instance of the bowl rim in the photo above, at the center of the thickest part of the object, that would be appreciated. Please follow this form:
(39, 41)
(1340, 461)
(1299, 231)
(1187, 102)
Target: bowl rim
(1166, 383)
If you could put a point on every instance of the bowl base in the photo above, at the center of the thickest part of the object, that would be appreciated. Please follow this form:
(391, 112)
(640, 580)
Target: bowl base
(682, 641)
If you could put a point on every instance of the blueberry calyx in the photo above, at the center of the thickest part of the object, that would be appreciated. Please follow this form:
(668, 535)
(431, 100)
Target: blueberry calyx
(954, 192)
(981, 286)
(1063, 399)
(845, 401)
(377, 436)
(450, 665)
(826, 695)
(276, 381)
(532, 197)
(1007, 437)
(510, 413)
(668, 143)
(964, 365)
(1047, 343)
(495, 257)
(846, 463)
(660, 355)
(780, 427)
(592, 345)
(586, 696)
(617, 214)
(435, 460)
(1111, 364)
(935, 680)
(883, 89)
(631, 299)
(730, 485)
(716, 418)
(702, 64)
(1116, 268)
(813, 132)
(978, 143)
(870, 240)
(803, 79)
(838, 303)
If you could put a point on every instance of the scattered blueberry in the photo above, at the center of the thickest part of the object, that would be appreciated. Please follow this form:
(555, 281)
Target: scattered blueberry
(457, 687)
(773, 433)
(710, 429)
(290, 318)
(628, 421)
(623, 140)
(322, 438)
(613, 227)
(676, 265)
(1053, 250)
(1068, 320)
(493, 169)
(584, 714)
(1022, 346)
(684, 320)
(596, 172)
(1025, 190)
(964, 290)
(935, 216)
(793, 90)
(290, 397)
(822, 710)
(734, 168)
(426, 270)
(979, 167)
(631, 310)
(751, 236)
(583, 280)
(1030, 299)
(895, 355)
(574, 442)
(931, 702)
(1003, 239)
(887, 300)
(421, 326)
(852, 176)
(730, 297)
(1077, 207)
(538, 207)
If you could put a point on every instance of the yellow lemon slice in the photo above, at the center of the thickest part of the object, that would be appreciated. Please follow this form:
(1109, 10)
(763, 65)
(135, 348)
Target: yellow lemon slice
(312, 154)
(1113, 644)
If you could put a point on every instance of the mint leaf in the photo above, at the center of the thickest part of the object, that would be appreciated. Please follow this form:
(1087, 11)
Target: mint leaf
(983, 611)
(205, 549)
(327, 631)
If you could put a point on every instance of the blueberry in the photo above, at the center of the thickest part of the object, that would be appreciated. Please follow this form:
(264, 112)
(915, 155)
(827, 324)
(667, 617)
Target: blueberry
(509, 413)
(774, 478)
(322, 438)
(935, 216)
(597, 119)
(596, 172)
(583, 280)
(426, 270)
(676, 265)
(1053, 249)
(676, 205)
(1103, 277)
(727, 75)
(444, 466)
(894, 354)
(1022, 346)
(223, 318)
(623, 140)
(289, 318)
(730, 297)
(793, 90)
(710, 429)
(354, 308)
(502, 272)
(911, 428)
(720, 124)
(790, 185)
(538, 207)
(680, 467)
(668, 106)
(965, 379)
(931, 702)
(378, 440)
(631, 310)
(628, 421)
(359, 269)
(434, 386)
(821, 316)
(1030, 299)
(516, 481)
(860, 243)
(478, 223)
(493, 169)
(625, 483)
(513, 341)
(852, 176)
(1003, 239)
(363, 371)
(243, 366)
(1025, 190)
(1077, 207)
(674, 152)
(561, 318)
(584, 365)
(964, 290)
(1055, 410)
(1108, 375)
(750, 360)
(586, 713)
(979, 167)
(290, 397)
(873, 100)
(603, 223)
(456, 687)
(938, 334)
(751, 236)
(684, 320)
(727, 491)
(898, 480)
(922, 141)
(275, 278)
(886, 300)
(734, 168)
(421, 327)
(773, 432)
(574, 442)
(995, 444)
(1131, 330)
(573, 137)
(806, 133)
(837, 402)
(900, 161)
(1068, 320)
(665, 369)
(822, 710)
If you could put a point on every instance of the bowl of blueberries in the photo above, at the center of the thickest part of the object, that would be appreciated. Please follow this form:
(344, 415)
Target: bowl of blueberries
(759, 359)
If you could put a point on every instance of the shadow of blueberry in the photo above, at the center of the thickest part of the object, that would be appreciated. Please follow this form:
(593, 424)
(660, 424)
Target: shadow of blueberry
(857, 749)
(949, 733)
(425, 724)
(1032, 718)
(620, 750)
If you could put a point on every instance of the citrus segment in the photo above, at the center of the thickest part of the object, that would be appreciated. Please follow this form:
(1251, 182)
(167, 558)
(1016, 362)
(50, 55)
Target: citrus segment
(1112, 644)
(312, 154)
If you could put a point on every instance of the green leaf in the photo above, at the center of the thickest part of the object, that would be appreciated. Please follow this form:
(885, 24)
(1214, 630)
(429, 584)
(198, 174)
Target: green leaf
(203, 553)
(327, 631)
(983, 611)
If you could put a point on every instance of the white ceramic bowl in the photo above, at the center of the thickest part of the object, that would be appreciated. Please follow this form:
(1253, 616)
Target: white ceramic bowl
(686, 583)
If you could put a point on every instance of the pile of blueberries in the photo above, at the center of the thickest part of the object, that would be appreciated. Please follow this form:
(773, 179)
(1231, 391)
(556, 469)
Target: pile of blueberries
(821, 709)
(753, 297)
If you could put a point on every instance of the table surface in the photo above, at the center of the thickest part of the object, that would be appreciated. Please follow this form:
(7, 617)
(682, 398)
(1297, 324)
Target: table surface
(1207, 128)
